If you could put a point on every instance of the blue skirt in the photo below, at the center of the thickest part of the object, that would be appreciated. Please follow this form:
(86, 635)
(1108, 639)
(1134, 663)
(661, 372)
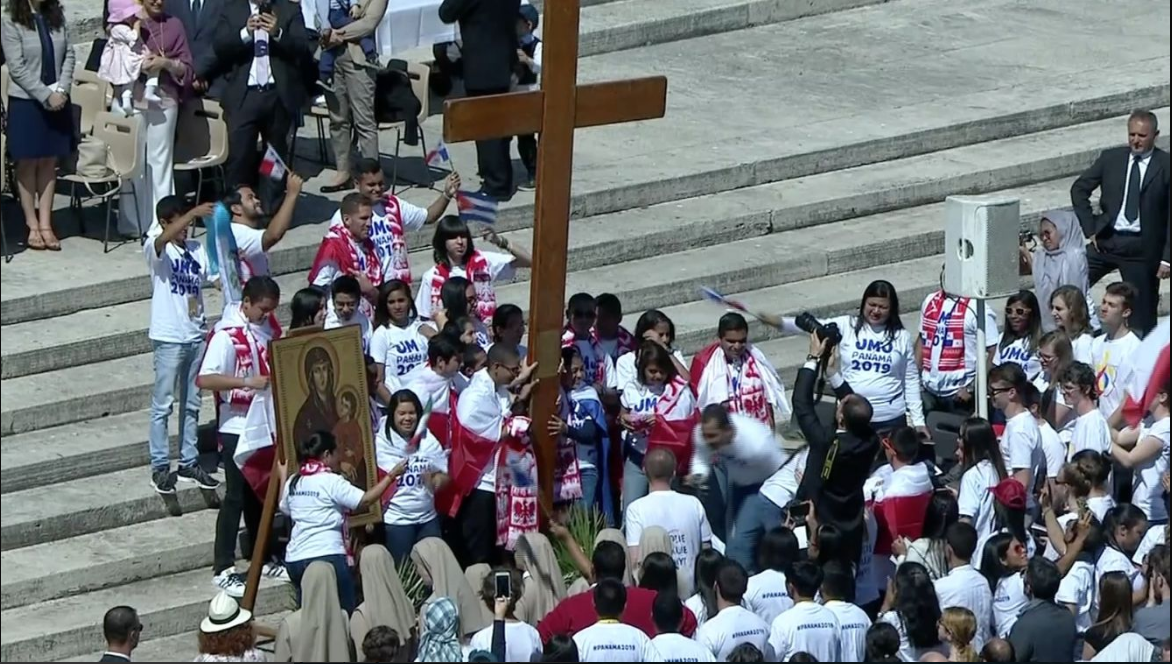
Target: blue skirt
(35, 132)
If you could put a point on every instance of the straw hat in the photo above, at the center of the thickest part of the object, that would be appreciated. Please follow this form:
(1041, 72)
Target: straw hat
(224, 613)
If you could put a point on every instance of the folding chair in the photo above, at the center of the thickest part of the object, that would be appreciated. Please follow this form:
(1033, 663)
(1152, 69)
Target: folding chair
(945, 431)
(89, 96)
(420, 75)
(123, 161)
(201, 141)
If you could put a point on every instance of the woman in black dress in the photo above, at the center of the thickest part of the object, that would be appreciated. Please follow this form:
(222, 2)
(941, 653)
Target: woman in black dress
(40, 125)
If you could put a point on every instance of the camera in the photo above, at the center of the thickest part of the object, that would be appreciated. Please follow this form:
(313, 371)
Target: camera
(828, 333)
(1027, 239)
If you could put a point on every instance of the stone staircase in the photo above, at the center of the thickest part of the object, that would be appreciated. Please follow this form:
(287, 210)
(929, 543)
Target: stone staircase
(798, 161)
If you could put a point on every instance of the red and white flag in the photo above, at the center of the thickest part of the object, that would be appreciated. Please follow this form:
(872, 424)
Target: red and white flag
(1146, 374)
(255, 449)
(271, 165)
(900, 504)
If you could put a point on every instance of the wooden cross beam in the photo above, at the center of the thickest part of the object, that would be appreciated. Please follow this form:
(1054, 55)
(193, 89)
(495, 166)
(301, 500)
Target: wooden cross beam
(554, 111)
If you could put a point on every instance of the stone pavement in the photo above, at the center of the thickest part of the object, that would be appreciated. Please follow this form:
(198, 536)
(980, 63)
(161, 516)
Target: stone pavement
(798, 161)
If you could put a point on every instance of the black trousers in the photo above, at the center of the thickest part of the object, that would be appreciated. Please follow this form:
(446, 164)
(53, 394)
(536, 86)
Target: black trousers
(476, 529)
(1126, 253)
(492, 158)
(239, 498)
(527, 146)
(261, 114)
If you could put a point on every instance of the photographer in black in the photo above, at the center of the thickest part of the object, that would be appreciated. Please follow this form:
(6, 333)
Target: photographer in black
(840, 460)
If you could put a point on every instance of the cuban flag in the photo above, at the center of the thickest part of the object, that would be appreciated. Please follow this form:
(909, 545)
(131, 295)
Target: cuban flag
(1146, 374)
(271, 165)
(476, 207)
(438, 156)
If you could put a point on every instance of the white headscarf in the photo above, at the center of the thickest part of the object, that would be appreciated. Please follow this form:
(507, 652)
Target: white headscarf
(1064, 266)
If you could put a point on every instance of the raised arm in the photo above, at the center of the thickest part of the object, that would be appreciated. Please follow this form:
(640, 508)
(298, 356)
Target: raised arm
(284, 216)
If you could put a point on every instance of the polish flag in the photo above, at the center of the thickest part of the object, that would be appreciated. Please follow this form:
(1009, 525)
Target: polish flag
(255, 449)
(271, 165)
(901, 502)
(1146, 374)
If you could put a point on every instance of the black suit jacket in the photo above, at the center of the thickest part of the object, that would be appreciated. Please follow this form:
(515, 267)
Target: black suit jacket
(488, 30)
(1109, 175)
(839, 498)
(288, 51)
(201, 36)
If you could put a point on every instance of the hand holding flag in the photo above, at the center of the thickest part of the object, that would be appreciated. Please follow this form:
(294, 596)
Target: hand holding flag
(271, 165)
(476, 207)
(713, 295)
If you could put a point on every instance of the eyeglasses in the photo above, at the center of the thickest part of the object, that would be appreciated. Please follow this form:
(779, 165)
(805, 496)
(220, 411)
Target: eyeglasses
(993, 391)
(1018, 311)
(514, 369)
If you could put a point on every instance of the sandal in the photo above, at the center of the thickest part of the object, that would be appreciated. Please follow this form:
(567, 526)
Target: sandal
(50, 240)
(35, 241)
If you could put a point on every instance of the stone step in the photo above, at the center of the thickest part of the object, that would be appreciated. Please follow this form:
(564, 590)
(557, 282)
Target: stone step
(93, 504)
(95, 335)
(707, 144)
(72, 626)
(180, 647)
(107, 558)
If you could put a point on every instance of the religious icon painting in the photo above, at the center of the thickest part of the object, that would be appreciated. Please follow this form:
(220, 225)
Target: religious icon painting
(320, 384)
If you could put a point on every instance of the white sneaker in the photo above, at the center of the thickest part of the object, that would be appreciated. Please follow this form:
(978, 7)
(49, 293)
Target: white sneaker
(230, 582)
(276, 572)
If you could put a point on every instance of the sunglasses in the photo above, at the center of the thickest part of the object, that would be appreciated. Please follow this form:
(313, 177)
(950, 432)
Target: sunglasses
(993, 391)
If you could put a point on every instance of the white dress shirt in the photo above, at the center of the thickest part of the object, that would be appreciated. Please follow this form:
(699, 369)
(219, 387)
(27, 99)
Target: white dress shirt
(1122, 225)
(966, 588)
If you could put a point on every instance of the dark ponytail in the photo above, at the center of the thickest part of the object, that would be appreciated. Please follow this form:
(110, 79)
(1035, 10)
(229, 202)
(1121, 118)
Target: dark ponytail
(312, 449)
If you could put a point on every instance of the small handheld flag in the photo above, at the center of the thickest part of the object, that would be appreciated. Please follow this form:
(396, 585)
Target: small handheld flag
(271, 165)
(477, 207)
(714, 296)
(438, 156)
(421, 426)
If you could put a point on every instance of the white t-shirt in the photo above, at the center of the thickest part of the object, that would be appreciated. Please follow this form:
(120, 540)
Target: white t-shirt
(683, 518)
(966, 588)
(590, 363)
(333, 321)
(730, 628)
(611, 641)
(177, 277)
(1082, 346)
(500, 266)
(522, 641)
(1114, 560)
(672, 647)
(908, 652)
(1021, 447)
(1008, 602)
(1078, 587)
(948, 383)
(413, 218)
(767, 596)
(640, 400)
(1155, 535)
(853, 623)
(695, 604)
(318, 507)
(882, 370)
(807, 627)
(220, 359)
(1091, 432)
(1108, 358)
(413, 501)
(627, 372)
(1018, 352)
(251, 250)
(1053, 449)
(1147, 492)
(402, 351)
(975, 501)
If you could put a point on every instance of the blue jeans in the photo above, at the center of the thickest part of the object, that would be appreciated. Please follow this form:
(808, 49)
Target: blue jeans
(752, 515)
(175, 365)
(401, 539)
(297, 569)
(634, 484)
(589, 487)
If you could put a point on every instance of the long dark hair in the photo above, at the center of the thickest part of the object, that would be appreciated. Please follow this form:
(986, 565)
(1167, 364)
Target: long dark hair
(707, 564)
(382, 313)
(980, 444)
(657, 572)
(652, 353)
(1033, 331)
(312, 449)
(1121, 516)
(21, 13)
(886, 290)
(453, 297)
(996, 547)
(1115, 608)
(397, 399)
(449, 228)
(650, 320)
(306, 303)
(1011, 520)
(916, 605)
(501, 317)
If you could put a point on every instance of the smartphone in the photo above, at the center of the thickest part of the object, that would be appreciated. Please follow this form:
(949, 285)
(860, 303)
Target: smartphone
(803, 537)
(799, 511)
(504, 584)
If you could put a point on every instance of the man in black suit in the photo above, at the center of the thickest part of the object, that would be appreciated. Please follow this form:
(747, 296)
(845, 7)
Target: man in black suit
(839, 461)
(488, 29)
(122, 630)
(260, 45)
(1131, 234)
(200, 19)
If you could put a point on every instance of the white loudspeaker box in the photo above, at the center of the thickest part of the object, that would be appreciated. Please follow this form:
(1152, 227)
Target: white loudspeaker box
(981, 246)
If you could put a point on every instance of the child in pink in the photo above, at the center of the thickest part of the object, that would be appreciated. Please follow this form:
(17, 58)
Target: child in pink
(124, 53)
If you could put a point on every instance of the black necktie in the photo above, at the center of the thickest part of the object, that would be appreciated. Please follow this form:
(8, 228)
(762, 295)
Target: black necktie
(1131, 205)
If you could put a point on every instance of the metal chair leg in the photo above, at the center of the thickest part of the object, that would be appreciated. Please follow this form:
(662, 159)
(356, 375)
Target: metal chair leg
(395, 163)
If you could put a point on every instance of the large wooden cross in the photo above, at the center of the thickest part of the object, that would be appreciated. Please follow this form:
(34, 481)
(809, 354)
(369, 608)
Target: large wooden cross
(554, 112)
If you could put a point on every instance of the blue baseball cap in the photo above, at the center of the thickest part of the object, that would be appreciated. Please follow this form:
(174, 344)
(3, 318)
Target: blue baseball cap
(529, 14)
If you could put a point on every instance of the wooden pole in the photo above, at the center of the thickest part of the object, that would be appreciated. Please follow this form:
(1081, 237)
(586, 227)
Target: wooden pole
(264, 531)
(551, 233)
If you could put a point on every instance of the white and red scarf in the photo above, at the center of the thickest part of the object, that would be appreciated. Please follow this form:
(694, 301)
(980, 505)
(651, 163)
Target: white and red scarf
(479, 275)
(942, 334)
(753, 390)
(394, 265)
(567, 475)
(340, 248)
(593, 346)
(251, 343)
(482, 434)
(900, 502)
(675, 420)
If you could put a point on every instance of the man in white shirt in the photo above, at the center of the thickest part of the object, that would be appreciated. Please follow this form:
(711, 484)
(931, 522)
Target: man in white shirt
(1021, 442)
(755, 465)
(808, 627)
(251, 238)
(669, 645)
(964, 586)
(682, 516)
(733, 624)
(838, 595)
(1111, 351)
(609, 640)
(179, 326)
(1091, 431)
